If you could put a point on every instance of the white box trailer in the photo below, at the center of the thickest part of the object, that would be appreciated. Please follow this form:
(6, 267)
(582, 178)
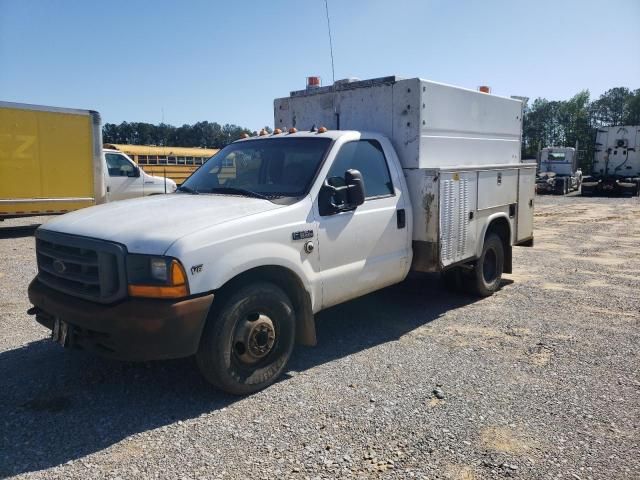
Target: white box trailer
(616, 164)
(459, 149)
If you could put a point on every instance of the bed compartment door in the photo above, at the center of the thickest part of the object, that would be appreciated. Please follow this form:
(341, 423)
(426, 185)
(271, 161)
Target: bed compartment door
(526, 196)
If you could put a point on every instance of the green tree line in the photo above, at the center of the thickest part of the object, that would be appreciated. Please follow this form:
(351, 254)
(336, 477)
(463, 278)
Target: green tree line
(563, 122)
(201, 134)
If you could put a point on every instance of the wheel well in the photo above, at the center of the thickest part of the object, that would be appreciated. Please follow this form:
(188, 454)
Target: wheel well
(291, 284)
(500, 226)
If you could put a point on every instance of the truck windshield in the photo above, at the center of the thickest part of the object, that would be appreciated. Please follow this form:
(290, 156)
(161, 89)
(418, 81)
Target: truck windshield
(265, 168)
(556, 157)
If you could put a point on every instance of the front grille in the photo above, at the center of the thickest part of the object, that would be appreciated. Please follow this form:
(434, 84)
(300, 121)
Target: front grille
(79, 266)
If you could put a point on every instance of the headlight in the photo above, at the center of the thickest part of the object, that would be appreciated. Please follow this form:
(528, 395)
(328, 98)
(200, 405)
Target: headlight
(159, 269)
(156, 277)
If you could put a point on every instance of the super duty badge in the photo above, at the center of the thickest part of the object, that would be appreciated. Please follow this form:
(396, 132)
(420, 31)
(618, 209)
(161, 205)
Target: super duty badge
(302, 235)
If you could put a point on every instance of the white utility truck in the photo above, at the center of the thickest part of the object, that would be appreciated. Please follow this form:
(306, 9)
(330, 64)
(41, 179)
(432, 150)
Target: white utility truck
(558, 171)
(369, 180)
(616, 163)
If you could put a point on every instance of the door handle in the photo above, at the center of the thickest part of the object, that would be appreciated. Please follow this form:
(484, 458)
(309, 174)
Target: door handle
(401, 218)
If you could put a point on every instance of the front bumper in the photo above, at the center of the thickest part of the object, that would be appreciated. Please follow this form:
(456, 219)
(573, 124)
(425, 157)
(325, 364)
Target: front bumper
(135, 329)
(610, 188)
(545, 188)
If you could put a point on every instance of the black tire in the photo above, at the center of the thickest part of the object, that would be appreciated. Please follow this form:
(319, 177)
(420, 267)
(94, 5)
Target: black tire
(247, 342)
(486, 276)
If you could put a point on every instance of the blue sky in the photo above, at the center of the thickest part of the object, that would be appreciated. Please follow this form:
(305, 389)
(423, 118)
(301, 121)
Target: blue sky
(226, 61)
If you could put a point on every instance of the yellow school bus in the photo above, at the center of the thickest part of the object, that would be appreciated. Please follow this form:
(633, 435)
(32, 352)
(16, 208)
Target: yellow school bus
(176, 163)
(50, 160)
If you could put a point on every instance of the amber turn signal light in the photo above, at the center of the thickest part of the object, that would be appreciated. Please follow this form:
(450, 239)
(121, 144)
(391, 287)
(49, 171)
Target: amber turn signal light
(177, 288)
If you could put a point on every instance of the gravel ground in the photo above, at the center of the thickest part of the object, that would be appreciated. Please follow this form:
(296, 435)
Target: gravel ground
(539, 381)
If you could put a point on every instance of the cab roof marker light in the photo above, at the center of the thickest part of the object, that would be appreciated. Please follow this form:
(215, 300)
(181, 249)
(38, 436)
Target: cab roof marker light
(293, 130)
(322, 130)
(263, 132)
(277, 131)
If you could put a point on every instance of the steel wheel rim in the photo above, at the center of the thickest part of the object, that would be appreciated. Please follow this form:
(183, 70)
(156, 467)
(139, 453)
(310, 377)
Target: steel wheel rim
(254, 338)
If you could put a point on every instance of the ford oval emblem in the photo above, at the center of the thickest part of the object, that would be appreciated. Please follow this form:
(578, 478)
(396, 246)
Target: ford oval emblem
(59, 266)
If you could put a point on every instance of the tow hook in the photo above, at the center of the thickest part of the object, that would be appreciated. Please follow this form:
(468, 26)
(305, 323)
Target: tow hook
(33, 311)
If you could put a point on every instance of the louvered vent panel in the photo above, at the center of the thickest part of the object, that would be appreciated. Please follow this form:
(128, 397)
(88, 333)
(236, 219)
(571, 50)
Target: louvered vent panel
(454, 219)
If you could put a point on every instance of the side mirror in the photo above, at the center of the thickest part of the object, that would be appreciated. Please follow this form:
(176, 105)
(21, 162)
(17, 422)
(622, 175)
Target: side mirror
(355, 187)
(341, 194)
(134, 173)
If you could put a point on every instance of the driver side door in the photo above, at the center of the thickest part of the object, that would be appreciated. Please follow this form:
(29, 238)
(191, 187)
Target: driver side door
(366, 248)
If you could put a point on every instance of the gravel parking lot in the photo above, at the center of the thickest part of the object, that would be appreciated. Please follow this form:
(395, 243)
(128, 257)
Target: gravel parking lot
(541, 380)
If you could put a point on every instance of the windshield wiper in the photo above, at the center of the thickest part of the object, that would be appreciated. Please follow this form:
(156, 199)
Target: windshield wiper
(240, 191)
(185, 189)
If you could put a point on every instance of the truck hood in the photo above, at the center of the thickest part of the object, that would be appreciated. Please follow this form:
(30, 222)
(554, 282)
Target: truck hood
(150, 225)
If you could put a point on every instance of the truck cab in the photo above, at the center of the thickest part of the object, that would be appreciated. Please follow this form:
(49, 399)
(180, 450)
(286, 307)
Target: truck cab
(125, 179)
(558, 170)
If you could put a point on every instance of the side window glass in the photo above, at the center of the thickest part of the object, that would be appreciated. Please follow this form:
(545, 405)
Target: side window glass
(118, 166)
(367, 157)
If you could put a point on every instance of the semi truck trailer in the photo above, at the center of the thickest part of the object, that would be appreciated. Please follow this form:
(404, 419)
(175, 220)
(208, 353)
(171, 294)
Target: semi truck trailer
(52, 162)
(359, 184)
(558, 171)
(616, 163)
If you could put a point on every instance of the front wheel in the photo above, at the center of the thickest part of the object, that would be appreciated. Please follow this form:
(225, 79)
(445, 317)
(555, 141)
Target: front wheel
(486, 276)
(247, 342)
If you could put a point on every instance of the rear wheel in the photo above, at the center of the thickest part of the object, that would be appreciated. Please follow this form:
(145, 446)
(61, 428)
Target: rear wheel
(486, 276)
(247, 341)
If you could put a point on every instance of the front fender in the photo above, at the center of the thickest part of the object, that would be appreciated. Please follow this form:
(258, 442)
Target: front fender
(212, 257)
